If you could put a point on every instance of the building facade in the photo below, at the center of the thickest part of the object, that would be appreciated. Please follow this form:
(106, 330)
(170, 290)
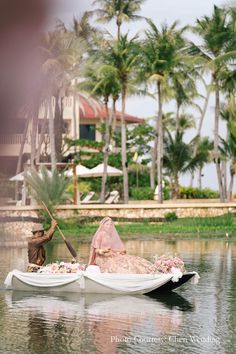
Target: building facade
(81, 118)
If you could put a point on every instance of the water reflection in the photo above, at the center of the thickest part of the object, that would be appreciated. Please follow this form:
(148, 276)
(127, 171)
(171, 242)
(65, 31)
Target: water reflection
(73, 324)
(104, 322)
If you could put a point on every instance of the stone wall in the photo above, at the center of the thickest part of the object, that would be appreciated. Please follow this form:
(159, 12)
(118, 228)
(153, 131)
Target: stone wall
(17, 221)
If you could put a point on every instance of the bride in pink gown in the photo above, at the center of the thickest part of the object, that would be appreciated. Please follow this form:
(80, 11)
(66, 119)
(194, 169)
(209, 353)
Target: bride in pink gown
(108, 252)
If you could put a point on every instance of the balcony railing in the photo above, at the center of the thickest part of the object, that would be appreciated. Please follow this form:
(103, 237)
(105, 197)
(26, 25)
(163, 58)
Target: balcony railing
(12, 139)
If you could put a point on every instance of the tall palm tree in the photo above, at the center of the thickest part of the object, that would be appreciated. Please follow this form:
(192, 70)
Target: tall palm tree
(162, 53)
(228, 145)
(228, 148)
(202, 149)
(120, 10)
(178, 159)
(55, 52)
(216, 34)
(123, 55)
(102, 82)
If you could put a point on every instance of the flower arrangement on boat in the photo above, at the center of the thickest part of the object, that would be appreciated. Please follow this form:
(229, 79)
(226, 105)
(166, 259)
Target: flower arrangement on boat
(62, 267)
(165, 264)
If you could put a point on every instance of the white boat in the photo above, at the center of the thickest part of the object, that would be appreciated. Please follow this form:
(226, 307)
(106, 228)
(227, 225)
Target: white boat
(101, 283)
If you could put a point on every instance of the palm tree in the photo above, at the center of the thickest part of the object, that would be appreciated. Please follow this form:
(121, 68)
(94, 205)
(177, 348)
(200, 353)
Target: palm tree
(162, 54)
(202, 150)
(47, 187)
(228, 148)
(228, 145)
(178, 159)
(123, 55)
(216, 33)
(120, 10)
(102, 82)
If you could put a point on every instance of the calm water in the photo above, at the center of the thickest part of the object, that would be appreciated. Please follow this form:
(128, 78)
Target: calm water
(194, 319)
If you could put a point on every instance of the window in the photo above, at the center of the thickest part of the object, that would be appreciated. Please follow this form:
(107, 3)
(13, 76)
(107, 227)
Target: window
(87, 131)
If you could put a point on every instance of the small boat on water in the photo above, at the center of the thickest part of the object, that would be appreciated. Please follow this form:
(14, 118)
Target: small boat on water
(101, 283)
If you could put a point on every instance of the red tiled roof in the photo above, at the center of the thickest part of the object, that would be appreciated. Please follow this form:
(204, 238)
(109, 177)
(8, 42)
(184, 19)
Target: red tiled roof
(95, 110)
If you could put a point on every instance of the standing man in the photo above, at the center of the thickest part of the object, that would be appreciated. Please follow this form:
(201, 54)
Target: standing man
(36, 251)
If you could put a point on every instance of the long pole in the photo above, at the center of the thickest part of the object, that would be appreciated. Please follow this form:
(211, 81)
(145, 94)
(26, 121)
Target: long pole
(75, 184)
(69, 246)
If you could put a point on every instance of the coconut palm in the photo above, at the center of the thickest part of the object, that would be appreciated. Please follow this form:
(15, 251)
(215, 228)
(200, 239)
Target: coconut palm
(56, 64)
(228, 147)
(119, 10)
(162, 53)
(202, 150)
(216, 34)
(102, 82)
(47, 187)
(178, 159)
(123, 55)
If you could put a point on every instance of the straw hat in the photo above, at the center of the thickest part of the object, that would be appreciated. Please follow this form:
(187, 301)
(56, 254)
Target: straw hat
(37, 227)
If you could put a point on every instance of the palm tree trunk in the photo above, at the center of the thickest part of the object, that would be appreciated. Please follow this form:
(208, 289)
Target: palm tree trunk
(231, 184)
(224, 178)
(58, 126)
(19, 161)
(51, 134)
(123, 149)
(203, 113)
(154, 161)
(152, 168)
(199, 129)
(216, 140)
(34, 136)
(43, 130)
(200, 178)
(106, 154)
(175, 187)
(153, 172)
(118, 24)
(113, 119)
(177, 118)
(159, 144)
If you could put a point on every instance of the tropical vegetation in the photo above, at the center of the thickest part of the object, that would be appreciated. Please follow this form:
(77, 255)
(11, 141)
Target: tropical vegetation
(160, 62)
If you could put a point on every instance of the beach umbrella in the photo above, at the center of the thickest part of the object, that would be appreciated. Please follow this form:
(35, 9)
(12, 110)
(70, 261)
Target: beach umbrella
(98, 171)
(18, 177)
(80, 171)
(21, 176)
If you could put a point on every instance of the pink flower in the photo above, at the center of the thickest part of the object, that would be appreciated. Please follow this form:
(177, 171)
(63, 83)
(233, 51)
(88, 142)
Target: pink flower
(165, 263)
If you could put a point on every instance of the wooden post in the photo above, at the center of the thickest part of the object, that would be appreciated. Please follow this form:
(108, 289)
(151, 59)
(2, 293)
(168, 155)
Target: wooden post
(75, 184)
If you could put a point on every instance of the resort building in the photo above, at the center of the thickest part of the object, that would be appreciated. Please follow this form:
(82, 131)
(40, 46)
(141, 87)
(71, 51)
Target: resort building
(81, 118)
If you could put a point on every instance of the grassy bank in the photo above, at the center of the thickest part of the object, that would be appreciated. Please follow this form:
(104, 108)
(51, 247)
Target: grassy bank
(223, 226)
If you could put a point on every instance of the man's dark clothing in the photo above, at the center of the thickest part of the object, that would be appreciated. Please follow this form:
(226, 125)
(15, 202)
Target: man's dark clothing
(36, 251)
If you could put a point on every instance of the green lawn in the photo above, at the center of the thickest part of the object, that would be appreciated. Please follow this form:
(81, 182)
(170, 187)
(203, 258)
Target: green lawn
(185, 227)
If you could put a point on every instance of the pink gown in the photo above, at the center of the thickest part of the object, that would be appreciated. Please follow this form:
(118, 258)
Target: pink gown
(115, 259)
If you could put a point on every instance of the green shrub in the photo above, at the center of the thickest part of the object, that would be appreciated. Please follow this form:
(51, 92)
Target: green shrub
(82, 187)
(197, 193)
(171, 216)
(142, 193)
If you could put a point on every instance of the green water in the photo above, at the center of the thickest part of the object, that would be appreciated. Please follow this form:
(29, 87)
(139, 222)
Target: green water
(193, 319)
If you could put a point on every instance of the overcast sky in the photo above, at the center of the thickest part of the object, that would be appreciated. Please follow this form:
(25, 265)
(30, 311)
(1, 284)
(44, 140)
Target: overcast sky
(186, 12)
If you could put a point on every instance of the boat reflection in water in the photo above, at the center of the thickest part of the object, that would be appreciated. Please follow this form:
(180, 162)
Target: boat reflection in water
(96, 322)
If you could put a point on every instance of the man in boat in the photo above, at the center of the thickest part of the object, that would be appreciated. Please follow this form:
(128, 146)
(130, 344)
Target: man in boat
(36, 251)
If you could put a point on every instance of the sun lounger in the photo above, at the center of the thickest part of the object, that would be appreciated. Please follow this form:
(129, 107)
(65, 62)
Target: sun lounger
(113, 197)
(88, 197)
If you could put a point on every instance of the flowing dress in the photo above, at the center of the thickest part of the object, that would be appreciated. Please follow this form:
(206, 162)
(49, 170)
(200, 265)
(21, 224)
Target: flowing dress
(124, 263)
(108, 252)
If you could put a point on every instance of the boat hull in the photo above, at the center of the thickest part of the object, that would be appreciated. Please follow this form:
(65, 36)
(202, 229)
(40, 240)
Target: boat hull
(103, 283)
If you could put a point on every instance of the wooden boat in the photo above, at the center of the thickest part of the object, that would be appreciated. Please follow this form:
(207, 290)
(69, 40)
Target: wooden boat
(101, 283)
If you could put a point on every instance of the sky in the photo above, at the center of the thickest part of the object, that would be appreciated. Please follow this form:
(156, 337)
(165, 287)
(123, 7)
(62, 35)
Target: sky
(168, 11)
